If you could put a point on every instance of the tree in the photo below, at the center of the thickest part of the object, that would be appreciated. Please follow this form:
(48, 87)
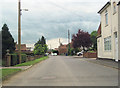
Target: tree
(38, 50)
(40, 46)
(94, 39)
(81, 39)
(7, 40)
(43, 41)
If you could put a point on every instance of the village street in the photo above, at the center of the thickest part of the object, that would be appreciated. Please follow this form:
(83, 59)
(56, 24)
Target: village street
(65, 71)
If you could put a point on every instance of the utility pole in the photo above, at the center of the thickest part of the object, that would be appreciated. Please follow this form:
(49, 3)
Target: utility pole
(59, 42)
(68, 41)
(19, 30)
(68, 36)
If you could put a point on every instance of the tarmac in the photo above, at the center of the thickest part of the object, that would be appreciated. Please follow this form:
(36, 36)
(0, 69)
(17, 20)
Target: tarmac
(105, 62)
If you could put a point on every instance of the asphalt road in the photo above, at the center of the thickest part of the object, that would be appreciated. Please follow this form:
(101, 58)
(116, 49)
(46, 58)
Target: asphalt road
(65, 71)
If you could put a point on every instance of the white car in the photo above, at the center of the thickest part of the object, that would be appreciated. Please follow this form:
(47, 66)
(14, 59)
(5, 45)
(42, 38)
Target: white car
(80, 53)
(54, 54)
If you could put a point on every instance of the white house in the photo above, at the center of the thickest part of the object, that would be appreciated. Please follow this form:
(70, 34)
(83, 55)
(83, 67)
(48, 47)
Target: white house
(108, 39)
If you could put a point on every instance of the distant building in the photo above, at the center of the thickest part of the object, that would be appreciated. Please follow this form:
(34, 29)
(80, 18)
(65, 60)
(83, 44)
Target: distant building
(63, 49)
(109, 31)
(24, 48)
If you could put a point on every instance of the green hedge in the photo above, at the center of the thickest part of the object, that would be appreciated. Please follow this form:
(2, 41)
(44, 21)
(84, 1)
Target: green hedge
(15, 59)
(23, 58)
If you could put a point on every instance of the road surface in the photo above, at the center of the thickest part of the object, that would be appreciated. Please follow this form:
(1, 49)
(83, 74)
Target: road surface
(65, 71)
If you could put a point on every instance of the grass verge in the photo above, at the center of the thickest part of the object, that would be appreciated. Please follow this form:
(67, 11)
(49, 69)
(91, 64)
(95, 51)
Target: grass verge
(5, 73)
(31, 62)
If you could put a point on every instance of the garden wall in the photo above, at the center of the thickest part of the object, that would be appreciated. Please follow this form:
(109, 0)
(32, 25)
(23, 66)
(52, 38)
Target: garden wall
(89, 55)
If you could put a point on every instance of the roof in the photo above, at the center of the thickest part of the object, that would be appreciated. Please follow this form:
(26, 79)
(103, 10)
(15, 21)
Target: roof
(99, 31)
(118, 3)
(63, 46)
(104, 7)
(23, 47)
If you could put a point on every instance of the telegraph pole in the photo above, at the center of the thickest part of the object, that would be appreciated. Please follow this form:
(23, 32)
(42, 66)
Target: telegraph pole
(68, 41)
(19, 30)
(68, 36)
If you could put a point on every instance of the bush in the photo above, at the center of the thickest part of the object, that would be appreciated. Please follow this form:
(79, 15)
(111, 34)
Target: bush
(23, 58)
(14, 59)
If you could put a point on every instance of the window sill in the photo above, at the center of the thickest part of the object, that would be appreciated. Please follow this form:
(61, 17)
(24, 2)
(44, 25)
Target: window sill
(106, 25)
(108, 50)
(114, 13)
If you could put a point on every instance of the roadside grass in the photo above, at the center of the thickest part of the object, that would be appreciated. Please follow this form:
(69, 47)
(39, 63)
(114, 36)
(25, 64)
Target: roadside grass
(31, 62)
(4, 73)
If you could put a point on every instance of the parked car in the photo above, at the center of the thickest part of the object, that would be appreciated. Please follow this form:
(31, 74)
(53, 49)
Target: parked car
(80, 53)
(54, 54)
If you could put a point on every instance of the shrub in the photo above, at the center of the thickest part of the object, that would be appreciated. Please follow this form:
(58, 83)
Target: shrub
(14, 59)
(23, 58)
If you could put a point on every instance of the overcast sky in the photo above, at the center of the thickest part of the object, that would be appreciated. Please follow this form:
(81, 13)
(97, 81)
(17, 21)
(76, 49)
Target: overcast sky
(51, 18)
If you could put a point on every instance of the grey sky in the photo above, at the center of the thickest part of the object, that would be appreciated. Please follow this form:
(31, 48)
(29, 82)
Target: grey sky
(51, 18)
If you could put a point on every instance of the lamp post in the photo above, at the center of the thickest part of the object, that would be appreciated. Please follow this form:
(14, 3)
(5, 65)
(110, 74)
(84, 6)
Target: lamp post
(19, 28)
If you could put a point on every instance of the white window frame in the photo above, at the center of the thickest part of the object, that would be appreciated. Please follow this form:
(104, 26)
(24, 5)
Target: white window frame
(106, 17)
(107, 44)
(114, 8)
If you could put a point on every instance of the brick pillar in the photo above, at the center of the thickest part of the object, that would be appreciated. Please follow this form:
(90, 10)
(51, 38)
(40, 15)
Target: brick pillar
(8, 59)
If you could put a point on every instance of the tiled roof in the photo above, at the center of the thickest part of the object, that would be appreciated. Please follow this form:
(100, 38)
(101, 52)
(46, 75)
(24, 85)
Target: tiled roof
(99, 31)
(23, 47)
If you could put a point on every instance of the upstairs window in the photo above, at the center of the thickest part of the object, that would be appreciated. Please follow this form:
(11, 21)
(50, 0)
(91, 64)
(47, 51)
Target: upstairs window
(114, 7)
(106, 17)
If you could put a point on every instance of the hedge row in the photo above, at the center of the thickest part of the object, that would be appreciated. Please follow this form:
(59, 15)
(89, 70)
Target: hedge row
(15, 59)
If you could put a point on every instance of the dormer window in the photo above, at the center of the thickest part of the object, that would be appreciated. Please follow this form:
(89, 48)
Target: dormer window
(114, 7)
(106, 17)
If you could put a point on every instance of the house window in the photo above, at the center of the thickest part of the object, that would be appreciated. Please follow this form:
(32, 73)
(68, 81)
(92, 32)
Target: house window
(107, 44)
(106, 17)
(114, 7)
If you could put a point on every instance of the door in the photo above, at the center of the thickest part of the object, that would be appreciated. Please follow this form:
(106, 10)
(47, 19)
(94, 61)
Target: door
(116, 47)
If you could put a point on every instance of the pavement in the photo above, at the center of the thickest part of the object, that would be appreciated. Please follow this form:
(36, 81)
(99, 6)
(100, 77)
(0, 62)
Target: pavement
(21, 67)
(65, 71)
(105, 62)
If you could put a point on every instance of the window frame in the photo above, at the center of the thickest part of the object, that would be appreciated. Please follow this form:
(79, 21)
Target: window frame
(106, 18)
(107, 44)
(114, 8)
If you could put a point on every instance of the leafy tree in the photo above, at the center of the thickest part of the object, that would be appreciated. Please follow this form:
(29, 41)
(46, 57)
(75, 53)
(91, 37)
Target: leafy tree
(45, 48)
(7, 40)
(94, 39)
(81, 39)
(40, 47)
(43, 41)
(38, 42)
(38, 50)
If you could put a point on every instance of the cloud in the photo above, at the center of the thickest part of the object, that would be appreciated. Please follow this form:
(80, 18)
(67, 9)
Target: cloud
(51, 18)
